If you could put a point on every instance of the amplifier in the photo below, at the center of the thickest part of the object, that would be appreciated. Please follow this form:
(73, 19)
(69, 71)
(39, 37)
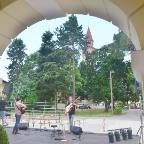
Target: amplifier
(77, 130)
(23, 126)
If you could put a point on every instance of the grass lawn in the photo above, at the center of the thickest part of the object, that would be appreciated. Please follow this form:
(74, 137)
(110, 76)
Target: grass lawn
(40, 112)
(95, 113)
(84, 113)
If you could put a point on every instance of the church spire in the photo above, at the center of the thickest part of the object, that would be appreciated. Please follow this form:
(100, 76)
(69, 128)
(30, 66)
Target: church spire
(88, 35)
(90, 46)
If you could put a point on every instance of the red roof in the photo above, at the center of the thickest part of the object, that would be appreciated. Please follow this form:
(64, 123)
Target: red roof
(88, 35)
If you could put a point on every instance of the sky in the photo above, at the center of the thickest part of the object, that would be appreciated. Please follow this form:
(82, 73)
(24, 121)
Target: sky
(101, 30)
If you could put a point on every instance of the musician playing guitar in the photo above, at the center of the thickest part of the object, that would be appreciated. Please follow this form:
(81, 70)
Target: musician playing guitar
(72, 113)
(18, 114)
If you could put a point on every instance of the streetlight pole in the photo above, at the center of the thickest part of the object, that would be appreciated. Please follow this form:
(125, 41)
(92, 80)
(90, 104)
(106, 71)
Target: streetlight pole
(111, 90)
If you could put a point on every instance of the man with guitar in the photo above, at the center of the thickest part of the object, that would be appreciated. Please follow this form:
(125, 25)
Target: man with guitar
(18, 108)
(71, 111)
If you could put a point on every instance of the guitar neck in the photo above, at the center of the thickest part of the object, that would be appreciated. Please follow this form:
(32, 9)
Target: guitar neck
(76, 100)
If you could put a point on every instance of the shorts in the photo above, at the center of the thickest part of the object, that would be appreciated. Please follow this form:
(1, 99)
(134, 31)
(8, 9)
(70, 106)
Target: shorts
(2, 114)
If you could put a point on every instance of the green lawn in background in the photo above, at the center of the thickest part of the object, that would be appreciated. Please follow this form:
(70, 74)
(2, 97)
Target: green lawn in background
(95, 113)
(84, 113)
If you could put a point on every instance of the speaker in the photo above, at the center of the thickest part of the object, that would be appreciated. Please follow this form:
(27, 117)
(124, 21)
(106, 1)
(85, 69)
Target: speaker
(129, 131)
(77, 130)
(23, 126)
(124, 134)
(117, 135)
(111, 137)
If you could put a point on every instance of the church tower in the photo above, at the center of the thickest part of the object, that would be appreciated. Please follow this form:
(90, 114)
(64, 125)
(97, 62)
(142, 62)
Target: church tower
(90, 46)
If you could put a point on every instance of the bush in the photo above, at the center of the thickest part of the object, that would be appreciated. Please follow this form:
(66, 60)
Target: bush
(3, 136)
(118, 108)
(121, 104)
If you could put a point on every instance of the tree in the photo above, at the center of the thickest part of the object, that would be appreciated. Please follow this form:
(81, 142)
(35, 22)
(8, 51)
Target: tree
(25, 86)
(30, 63)
(47, 47)
(79, 83)
(53, 74)
(96, 70)
(16, 55)
(22, 88)
(70, 35)
(121, 45)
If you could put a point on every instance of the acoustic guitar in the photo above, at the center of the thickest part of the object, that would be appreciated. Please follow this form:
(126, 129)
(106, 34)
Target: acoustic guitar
(71, 106)
(22, 110)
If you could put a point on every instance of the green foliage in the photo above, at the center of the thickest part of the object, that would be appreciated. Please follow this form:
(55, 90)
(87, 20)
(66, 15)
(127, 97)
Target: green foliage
(25, 85)
(70, 35)
(54, 71)
(118, 108)
(121, 104)
(22, 88)
(16, 55)
(121, 45)
(95, 72)
(30, 63)
(3, 136)
(51, 70)
(127, 107)
(32, 97)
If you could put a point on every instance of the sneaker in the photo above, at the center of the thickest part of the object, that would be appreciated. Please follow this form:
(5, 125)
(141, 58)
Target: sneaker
(17, 132)
(14, 130)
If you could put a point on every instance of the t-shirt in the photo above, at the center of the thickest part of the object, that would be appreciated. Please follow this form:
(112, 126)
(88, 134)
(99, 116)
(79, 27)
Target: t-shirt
(18, 108)
(73, 110)
(2, 105)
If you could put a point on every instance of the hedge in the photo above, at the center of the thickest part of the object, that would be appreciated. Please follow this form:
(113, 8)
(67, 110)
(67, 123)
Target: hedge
(3, 136)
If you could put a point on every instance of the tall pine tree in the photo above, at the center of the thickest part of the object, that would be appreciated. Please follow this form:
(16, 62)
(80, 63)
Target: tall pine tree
(16, 55)
(53, 73)
(70, 35)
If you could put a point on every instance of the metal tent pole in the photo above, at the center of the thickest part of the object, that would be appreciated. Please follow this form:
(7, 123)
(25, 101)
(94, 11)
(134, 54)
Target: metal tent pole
(141, 118)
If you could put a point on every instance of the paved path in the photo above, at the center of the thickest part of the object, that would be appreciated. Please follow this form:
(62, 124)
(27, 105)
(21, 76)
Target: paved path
(130, 119)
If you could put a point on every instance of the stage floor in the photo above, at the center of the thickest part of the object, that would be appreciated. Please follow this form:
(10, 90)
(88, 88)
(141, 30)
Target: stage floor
(35, 136)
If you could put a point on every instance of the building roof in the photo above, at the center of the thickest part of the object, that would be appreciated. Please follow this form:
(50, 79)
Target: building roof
(5, 81)
(88, 35)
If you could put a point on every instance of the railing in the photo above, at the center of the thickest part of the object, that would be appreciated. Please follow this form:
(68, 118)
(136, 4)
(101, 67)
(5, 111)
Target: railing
(40, 107)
